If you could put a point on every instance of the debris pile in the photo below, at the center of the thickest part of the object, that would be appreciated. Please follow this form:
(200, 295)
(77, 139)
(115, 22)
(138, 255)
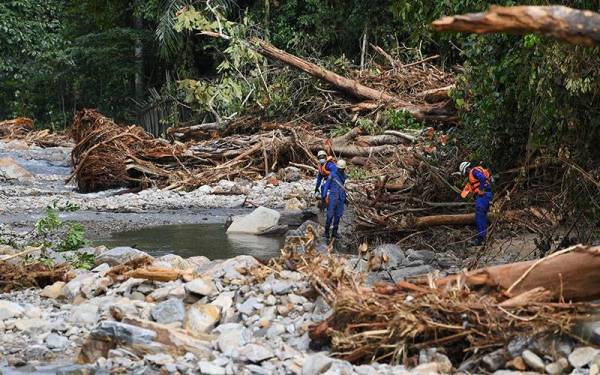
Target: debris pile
(467, 313)
(22, 128)
(36, 275)
(107, 155)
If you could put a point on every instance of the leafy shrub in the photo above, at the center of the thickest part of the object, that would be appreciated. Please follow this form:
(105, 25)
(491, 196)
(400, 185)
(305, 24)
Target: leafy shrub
(399, 120)
(53, 232)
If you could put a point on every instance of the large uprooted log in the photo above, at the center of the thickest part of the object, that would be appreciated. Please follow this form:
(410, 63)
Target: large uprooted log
(558, 22)
(568, 275)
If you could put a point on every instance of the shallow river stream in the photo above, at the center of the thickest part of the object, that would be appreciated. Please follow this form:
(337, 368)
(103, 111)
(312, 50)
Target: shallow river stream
(187, 240)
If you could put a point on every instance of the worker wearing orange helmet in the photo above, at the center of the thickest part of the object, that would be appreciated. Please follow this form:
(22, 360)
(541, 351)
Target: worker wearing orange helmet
(480, 184)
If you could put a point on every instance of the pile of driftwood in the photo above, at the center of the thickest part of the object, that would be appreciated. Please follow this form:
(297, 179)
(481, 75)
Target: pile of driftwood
(107, 155)
(470, 313)
(22, 129)
(35, 275)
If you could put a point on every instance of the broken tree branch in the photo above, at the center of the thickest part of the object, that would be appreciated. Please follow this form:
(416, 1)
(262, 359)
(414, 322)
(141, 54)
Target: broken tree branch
(557, 22)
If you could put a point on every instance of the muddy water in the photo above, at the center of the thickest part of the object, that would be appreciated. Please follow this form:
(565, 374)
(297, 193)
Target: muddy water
(188, 240)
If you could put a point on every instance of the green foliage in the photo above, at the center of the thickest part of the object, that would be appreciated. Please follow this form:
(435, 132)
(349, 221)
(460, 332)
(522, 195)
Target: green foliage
(366, 125)
(50, 221)
(74, 237)
(358, 173)
(83, 261)
(240, 74)
(64, 236)
(400, 120)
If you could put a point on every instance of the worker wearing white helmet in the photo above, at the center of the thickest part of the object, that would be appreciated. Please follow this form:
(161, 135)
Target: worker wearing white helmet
(480, 184)
(334, 193)
(326, 167)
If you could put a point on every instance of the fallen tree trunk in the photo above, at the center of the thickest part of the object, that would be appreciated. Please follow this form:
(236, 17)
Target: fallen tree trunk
(199, 131)
(348, 85)
(380, 140)
(437, 220)
(424, 112)
(436, 95)
(572, 276)
(558, 22)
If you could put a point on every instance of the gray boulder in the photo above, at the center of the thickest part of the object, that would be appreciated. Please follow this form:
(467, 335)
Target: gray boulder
(10, 310)
(406, 272)
(387, 256)
(256, 353)
(57, 342)
(232, 337)
(123, 333)
(257, 222)
(169, 311)
(120, 255)
(201, 286)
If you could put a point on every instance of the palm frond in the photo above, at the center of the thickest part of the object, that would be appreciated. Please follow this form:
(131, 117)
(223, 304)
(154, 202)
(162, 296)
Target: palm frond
(168, 40)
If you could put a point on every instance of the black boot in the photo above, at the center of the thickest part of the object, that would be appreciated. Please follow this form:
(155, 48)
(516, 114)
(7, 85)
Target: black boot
(326, 235)
(335, 233)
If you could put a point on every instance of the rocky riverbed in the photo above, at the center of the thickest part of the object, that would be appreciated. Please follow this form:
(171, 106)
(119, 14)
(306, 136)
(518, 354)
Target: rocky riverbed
(220, 319)
(32, 177)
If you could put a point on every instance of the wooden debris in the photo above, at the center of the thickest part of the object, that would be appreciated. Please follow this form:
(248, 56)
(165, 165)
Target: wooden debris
(22, 129)
(557, 22)
(158, 274)
(36, 275)
(16, 128)
(389, 322)
(571, 276)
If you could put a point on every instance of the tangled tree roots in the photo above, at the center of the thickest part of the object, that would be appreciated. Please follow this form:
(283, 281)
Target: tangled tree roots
(107, 155)
(30, 275)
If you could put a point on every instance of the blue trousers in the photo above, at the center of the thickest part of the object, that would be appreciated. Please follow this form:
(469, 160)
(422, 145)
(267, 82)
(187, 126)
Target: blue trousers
(482, 206)
(335, 210)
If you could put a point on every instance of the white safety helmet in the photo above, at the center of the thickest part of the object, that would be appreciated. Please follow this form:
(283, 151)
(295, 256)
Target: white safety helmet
(341, 164)
(463, 167)
(321, 154)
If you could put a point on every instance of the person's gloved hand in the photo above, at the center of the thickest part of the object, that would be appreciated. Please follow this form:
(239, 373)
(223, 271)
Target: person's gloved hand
(316, 190)
(322, 204)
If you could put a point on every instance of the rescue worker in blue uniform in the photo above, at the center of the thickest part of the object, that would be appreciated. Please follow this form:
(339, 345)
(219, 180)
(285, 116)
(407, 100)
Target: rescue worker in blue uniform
(334, 194)
(326, 167)
(480, 184)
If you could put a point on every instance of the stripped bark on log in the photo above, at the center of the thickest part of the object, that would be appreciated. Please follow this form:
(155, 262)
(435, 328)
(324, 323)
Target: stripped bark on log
(557, 22)
(572, 276)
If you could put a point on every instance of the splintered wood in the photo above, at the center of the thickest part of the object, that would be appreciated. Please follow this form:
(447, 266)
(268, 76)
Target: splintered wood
(462, 313)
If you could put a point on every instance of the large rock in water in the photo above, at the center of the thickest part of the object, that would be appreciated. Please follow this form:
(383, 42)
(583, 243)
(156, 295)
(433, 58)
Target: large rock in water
(11, 170)
(259, 221)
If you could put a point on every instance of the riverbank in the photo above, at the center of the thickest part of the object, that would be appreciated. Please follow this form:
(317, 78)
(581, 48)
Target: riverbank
(231, 316)
(23, 199)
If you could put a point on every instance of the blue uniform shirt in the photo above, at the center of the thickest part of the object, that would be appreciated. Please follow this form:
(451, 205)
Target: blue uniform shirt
(335, 185)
